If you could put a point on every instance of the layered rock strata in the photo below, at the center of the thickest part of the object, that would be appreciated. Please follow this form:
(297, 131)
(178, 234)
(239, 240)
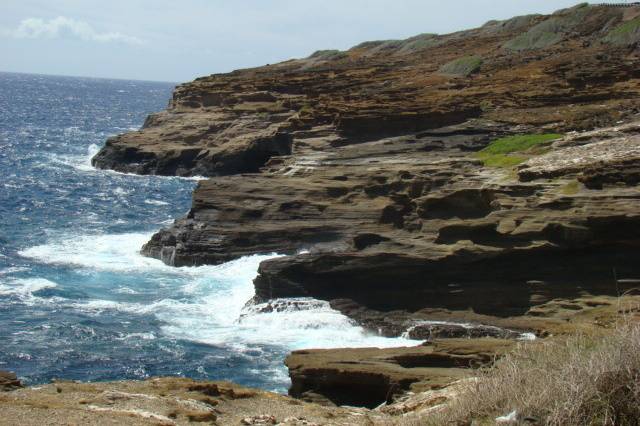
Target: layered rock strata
(362, 167)
(372, 376)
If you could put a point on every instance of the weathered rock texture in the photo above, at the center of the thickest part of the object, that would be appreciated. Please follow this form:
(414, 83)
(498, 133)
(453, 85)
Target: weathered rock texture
(167, 402)
(360, 166)
(364, 160)
(233, 123)
(372, 376)
(458, 342)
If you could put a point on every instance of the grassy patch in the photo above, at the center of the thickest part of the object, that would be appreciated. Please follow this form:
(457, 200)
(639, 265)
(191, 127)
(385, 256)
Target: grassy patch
(581, 380)
(373, 43)
(501, 160)
(419, 42)
(499, 153)
(624, 34)
(513, 24)
(462, 66)
(550, 31)
(529, 41)
(328, 55)
(518, 143)
(545, 34)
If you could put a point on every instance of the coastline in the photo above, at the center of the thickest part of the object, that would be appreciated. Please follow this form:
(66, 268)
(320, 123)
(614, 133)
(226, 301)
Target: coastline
(472, 205)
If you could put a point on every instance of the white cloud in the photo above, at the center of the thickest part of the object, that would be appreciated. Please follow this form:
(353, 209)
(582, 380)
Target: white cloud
(66, 27)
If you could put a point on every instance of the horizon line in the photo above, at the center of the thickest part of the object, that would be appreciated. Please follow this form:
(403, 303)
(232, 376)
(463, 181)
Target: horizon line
(89, 77)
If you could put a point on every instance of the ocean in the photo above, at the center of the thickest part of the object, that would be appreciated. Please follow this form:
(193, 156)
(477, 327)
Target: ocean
(77, 300)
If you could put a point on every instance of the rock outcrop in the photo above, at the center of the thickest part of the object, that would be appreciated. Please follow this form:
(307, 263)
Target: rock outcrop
(457, 342)
(370, 377)
(364, 168)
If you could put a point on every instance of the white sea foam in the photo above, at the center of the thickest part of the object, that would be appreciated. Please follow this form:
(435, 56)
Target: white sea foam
(125, 290)
(209, 303)
(156, 202)
(110, 252)
(79, 162)
(92, 150)
(25, 287)
(12, 269)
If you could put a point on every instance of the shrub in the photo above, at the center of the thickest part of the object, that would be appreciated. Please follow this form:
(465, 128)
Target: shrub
(419, 42)
(462, 66)
(625, 34)
(551, 30)
(327, 55)
(582, 380)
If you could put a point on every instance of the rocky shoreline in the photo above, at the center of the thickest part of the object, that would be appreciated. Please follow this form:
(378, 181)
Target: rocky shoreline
(393, 386)
(467, 188)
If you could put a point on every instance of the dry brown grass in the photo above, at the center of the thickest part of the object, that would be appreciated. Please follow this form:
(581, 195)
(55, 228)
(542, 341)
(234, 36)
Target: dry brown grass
(580, 380)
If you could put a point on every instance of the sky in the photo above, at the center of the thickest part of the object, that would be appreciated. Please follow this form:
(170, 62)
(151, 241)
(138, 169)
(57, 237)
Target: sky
(179, 40)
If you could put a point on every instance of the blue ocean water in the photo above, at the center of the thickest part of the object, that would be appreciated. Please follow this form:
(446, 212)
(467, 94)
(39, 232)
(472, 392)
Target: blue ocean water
(77, 300)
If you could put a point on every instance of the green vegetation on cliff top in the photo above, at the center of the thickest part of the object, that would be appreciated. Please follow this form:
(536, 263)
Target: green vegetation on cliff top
(551, 30)
(624, 34)
(328, 54)
(463, 66)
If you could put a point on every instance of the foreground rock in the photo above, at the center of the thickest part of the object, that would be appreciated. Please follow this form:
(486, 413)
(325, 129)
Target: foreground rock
(166, 401)
(370, 376)
(9, 381)
(176, 401)
(414, 382)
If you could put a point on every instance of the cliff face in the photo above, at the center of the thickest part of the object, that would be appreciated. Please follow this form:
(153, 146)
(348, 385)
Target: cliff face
(365, 159)
(449, 172)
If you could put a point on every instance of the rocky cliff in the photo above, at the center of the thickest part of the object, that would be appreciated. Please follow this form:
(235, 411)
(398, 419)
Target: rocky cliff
(492, 170)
